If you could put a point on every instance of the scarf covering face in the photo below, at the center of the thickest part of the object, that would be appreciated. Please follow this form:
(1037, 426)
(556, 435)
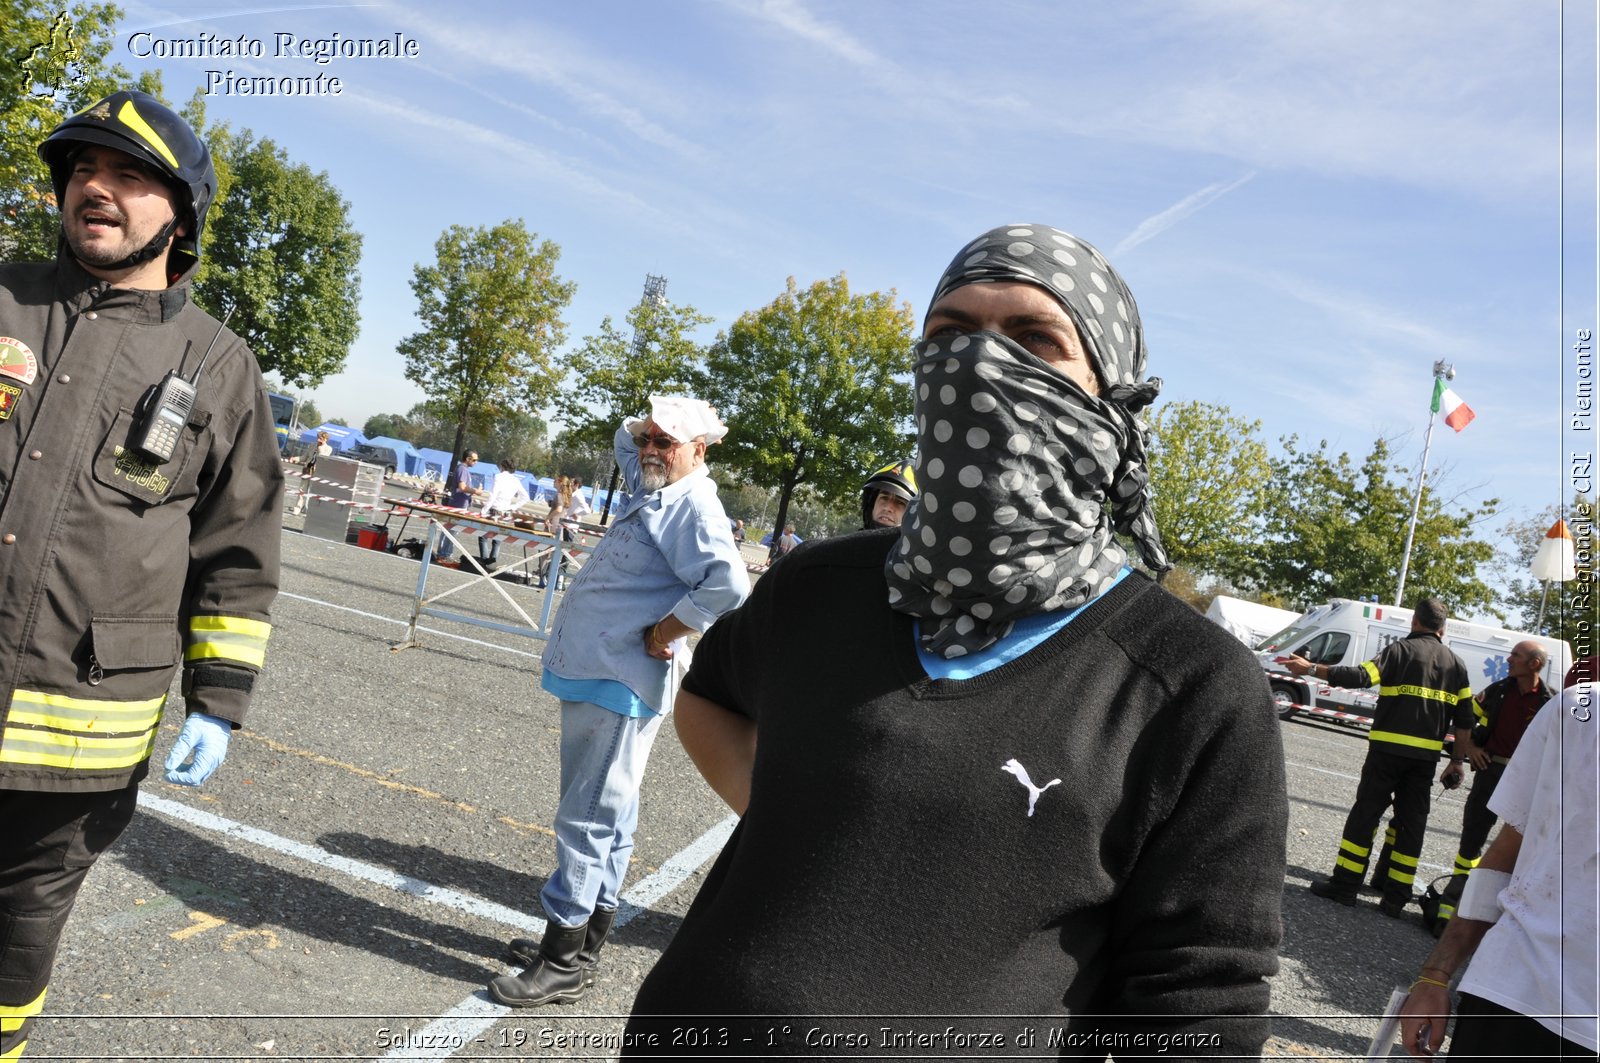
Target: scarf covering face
(1024, 476)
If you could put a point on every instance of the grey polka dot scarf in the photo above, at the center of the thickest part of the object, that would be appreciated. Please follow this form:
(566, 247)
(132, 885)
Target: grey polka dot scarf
(1024, 476)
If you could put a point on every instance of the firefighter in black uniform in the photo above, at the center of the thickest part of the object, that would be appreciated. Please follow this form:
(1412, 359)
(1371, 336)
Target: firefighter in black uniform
(1421, 683)
(138, 519)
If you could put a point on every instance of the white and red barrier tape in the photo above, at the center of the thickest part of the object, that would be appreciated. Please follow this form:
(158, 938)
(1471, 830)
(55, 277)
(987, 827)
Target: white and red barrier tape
(403, 509)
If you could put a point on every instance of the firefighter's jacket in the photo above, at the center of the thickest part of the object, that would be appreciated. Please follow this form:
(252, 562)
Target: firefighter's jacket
(1421, 682)
(115, 567)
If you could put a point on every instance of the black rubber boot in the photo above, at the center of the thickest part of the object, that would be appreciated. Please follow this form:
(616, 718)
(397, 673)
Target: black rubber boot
(1395, 899)
(1332, 889)
(553, 977)
(594, 940)
(525, 950)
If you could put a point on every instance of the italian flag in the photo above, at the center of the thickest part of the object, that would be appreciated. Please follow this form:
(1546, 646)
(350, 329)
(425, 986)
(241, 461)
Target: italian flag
(1456, 412)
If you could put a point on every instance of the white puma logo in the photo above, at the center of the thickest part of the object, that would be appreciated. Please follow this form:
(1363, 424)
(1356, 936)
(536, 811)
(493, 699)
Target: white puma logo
(1015, 768)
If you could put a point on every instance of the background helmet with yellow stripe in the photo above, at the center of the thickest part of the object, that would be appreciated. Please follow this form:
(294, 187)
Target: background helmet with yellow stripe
(898, 479)
(144, 127)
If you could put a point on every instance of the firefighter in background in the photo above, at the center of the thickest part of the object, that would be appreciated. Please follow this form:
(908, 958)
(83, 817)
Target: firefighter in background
(886, 494)
(1486, 736)
(137, 529)
(1421, 684)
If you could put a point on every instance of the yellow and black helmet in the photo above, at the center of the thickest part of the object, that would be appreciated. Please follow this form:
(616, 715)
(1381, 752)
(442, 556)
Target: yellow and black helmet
(897, 478)
(144, 127)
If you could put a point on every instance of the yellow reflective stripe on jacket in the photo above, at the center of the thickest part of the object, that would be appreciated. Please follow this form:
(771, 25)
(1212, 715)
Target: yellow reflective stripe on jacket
(1426, 693)
(1407, 740)
(228, 638)
(1371, 668)
(12, 1015)
(56, 731)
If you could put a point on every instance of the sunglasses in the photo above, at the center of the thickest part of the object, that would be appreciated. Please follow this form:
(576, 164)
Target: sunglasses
(660, 442)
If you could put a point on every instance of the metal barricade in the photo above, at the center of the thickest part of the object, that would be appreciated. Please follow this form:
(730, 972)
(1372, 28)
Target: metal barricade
(551, 552)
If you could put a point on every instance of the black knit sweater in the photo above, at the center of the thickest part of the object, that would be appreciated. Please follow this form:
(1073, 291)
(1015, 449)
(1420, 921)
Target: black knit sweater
(887, 867)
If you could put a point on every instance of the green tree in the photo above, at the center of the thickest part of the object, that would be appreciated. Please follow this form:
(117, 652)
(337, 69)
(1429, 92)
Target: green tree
(814, 389)
(519, 438)
(590, 462)
(310, 416)
(433, 426)
(391, 425)
(1207, 473)
(52, 64)
(1570, 611)
(282, 254)
(1335, 529)
(614, 373)
(491, 309)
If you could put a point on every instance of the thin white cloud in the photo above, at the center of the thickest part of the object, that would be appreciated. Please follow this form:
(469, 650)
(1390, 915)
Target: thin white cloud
(1159, 223)
(907, 88)
(534, 56)
(797, 20)
(1426, 94)
(1369, 318)
(452, 133)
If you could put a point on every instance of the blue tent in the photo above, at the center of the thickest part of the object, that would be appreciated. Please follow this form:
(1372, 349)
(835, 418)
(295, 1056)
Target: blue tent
(410, 457)
(433, 464)
(339, 436)
(596, 498)
(530, 484)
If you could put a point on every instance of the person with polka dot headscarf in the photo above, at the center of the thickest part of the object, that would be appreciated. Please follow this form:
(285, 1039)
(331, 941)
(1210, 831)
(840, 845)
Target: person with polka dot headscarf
(985, 713)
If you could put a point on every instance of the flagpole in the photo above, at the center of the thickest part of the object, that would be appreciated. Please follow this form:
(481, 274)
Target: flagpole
(1441, 370)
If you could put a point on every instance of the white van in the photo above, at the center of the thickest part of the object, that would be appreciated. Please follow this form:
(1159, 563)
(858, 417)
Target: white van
(1344, 632)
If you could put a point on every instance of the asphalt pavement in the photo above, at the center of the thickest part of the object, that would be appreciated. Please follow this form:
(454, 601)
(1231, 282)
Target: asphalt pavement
(344, 886)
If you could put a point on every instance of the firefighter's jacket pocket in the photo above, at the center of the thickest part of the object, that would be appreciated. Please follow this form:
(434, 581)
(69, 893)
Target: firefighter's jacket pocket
(123, 643)
(120, 466)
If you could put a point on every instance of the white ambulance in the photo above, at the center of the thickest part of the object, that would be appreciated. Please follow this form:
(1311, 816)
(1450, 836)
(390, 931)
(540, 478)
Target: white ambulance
(1344, 632)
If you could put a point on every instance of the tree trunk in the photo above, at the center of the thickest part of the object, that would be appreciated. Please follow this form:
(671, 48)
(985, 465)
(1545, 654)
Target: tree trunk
(785, 490)
(456, 451)
(616, 478)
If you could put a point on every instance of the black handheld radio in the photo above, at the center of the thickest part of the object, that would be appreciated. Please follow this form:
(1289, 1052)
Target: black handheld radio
(166, 406)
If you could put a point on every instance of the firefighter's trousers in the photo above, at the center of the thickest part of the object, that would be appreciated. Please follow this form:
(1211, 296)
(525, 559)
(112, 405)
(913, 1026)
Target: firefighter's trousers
(48, 844)
(1387, 778)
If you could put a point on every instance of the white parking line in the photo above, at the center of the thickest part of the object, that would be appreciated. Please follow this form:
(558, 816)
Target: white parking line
(467, 1021)
(378, 876)
(404, 623)
(463, 1024)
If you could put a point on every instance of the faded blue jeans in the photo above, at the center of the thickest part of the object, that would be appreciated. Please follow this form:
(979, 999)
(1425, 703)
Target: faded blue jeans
(603, 757)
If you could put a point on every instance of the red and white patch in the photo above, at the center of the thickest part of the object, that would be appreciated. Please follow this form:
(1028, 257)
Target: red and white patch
(17, 360)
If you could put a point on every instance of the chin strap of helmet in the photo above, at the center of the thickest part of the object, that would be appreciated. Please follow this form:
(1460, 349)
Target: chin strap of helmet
(157, 244)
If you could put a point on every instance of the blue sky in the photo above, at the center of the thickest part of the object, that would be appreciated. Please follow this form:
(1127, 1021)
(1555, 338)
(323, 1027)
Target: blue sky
(1312, 202)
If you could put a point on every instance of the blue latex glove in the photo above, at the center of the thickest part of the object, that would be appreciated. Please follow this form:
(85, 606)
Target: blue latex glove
(206, 737)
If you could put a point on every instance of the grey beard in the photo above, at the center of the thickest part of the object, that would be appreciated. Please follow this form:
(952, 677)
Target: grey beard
(652, 477)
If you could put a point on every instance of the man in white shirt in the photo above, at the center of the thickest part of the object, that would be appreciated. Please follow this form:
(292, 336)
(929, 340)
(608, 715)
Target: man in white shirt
(1527, 920)
(506, 495)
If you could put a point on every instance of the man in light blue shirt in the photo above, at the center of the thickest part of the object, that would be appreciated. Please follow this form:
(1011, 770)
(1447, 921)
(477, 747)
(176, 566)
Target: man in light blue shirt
(667, 566)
